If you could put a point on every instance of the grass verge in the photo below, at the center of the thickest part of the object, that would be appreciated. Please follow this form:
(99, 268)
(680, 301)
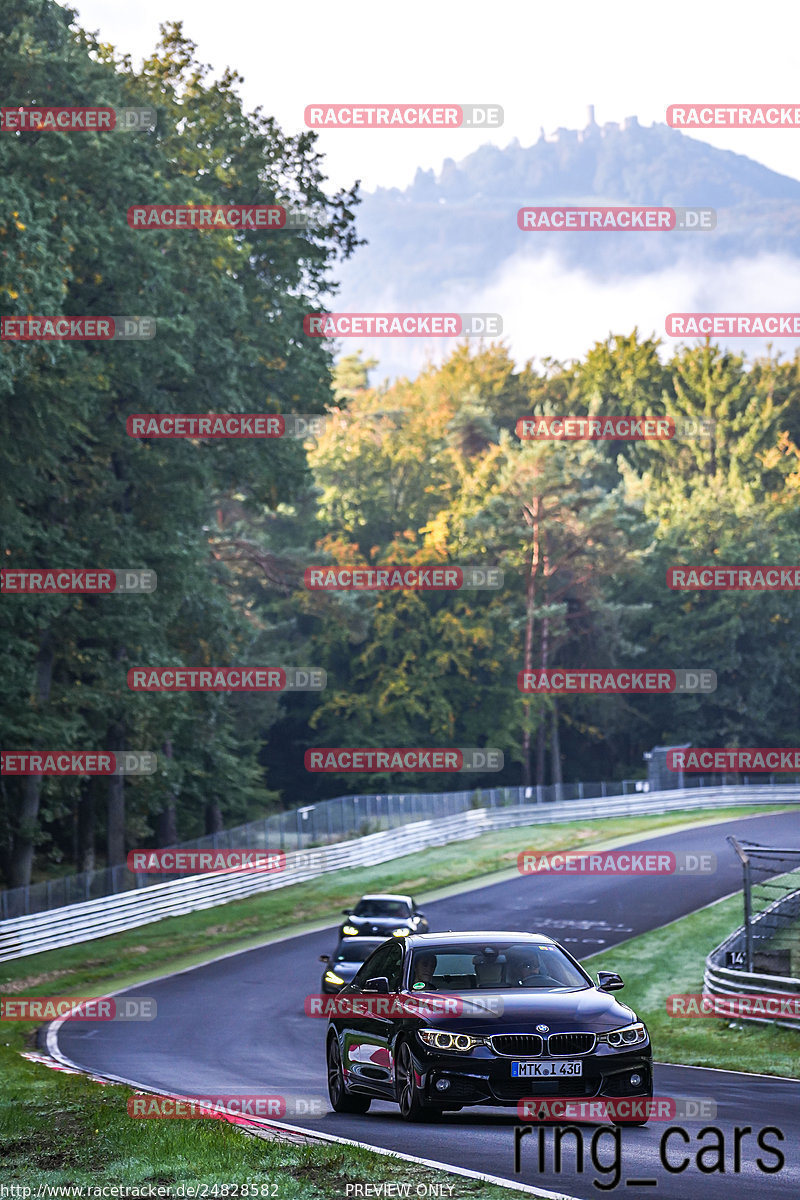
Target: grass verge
(61, 1130)
(669, 961)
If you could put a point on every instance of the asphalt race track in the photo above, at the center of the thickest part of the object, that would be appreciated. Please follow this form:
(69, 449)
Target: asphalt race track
(237, 1025)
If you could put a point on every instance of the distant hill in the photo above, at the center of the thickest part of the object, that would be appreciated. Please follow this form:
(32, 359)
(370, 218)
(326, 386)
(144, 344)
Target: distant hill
(449, 233)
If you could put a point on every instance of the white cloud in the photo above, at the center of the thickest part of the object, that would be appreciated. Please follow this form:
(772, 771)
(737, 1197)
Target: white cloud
(550, 311)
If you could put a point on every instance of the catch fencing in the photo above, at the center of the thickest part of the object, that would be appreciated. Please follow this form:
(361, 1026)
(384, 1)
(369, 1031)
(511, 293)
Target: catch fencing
(337, 820)
(762, 957)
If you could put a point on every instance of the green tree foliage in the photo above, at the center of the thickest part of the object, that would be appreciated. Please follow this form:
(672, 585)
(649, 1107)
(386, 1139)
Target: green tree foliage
(78, 491)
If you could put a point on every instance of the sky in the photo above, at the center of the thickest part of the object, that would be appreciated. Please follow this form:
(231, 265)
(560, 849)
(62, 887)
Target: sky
(544, 64)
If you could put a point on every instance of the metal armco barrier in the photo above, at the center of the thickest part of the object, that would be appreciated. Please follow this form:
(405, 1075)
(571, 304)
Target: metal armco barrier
(719, 980)
(92, 919)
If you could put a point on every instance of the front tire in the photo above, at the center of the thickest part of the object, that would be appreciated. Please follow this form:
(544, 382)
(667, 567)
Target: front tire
(341, 1101)
(412, 1105)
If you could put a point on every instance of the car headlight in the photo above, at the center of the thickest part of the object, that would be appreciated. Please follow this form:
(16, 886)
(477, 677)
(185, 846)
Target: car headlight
(628, 1035)
(332, 977)
(403, 931)
(445, 1039)
(349, 931)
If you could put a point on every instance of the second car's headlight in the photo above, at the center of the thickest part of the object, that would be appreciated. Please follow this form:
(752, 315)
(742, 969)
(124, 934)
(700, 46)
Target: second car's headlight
(628, 1035)
(445, 1039)
(402, 931)
(349, 931)
(332, 977)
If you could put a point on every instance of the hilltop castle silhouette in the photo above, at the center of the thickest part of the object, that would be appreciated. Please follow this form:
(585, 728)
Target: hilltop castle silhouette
(592, 129)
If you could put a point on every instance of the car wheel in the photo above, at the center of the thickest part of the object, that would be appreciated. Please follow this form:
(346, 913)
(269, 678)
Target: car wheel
(341, 1102)
(412, 1106)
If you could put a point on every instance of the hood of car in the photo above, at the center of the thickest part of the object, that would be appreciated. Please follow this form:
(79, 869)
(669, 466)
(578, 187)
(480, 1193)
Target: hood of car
(367, 925)
(520, 1011)
(345, 970)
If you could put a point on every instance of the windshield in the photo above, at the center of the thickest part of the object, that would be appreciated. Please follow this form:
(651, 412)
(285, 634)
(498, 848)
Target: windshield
(355, 952)
(494, 967)
(383, 908)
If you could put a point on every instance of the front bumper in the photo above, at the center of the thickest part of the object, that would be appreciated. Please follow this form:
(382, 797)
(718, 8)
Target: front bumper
(486, 1079)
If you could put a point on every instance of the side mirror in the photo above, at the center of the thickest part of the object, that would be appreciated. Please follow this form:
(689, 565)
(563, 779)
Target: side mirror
(346, 912)
(379, 984)
(324, 958)
(609, 981)
(419, 913)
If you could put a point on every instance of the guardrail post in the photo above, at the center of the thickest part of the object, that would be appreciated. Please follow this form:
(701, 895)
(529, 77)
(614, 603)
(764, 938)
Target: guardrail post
(748, 915)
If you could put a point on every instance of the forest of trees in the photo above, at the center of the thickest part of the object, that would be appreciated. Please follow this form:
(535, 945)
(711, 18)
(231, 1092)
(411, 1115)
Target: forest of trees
(424, 471)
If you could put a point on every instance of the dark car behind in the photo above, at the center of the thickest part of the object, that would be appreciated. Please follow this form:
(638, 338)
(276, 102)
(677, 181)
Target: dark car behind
(383, 915)
(345, 961)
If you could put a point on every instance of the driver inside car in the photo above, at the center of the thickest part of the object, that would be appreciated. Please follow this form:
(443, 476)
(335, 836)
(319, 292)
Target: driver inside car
(424, 968)
(529, 971)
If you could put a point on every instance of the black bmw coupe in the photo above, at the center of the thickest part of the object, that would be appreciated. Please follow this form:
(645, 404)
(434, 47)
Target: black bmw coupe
(440, 1021)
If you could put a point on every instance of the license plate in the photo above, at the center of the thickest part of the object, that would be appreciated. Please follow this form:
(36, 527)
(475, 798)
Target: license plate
(538, 1070)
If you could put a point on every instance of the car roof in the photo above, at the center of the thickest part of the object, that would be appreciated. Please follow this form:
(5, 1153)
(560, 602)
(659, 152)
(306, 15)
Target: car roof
(385, 896)
(477, 935)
